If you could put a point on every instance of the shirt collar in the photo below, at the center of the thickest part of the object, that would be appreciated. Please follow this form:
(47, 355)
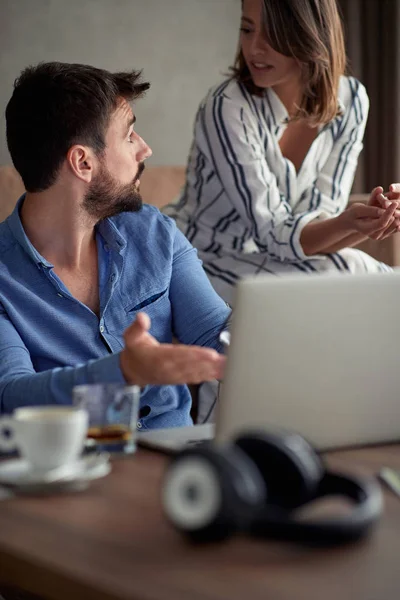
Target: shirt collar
(278, 110)
(341, 108)
(107, 229)
(111, 234)
(15, 224)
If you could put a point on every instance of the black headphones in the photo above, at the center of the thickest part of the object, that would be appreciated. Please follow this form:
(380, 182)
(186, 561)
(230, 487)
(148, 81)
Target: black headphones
(254, 485)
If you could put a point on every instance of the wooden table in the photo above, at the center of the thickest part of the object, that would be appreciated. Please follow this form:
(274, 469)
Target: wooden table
(112, 542)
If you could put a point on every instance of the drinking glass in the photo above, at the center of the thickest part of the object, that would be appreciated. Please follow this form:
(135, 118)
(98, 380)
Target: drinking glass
(113, 414)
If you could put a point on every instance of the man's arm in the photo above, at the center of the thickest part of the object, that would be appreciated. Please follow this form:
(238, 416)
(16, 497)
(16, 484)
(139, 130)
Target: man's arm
(199, 314)
(20, 385)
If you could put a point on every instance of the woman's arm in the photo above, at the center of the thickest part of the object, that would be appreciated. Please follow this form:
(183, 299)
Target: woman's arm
(349, 242)
(332, 235)
(385, 224)
(332, 187)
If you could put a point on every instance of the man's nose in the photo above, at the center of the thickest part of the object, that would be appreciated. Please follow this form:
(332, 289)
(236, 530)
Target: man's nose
(145, 151)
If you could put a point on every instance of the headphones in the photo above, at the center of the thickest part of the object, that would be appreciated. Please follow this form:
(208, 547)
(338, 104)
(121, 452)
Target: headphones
(254, 485)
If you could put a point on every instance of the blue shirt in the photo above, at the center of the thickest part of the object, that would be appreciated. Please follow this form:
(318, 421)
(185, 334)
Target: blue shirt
(50, 342)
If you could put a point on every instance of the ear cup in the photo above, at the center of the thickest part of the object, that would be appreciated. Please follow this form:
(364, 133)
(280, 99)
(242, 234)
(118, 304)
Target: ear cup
(290, 467)
(209, 493)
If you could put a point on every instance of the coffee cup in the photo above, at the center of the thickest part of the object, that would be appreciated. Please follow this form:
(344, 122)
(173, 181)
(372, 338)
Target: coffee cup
(46, 436)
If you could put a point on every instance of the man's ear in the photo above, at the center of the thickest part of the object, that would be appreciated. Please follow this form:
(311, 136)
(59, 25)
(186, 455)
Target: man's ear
(81, 161)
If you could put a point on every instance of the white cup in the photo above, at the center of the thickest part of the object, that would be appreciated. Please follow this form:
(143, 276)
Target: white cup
(47, 436)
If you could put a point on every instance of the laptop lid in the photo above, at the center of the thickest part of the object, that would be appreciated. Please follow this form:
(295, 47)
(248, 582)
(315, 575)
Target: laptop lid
(319, 355)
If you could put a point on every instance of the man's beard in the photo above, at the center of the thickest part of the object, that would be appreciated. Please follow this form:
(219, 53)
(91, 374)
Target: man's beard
(107, 198)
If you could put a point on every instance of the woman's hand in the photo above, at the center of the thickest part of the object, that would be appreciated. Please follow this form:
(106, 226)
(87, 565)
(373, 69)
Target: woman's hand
(376, 220)
(369, 220)
(385, 200)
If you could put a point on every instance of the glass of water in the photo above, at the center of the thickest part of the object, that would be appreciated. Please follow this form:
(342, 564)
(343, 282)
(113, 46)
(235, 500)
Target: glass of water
(113, 412)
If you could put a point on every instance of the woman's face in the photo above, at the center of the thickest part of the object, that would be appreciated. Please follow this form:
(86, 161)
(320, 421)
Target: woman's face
(267, 67)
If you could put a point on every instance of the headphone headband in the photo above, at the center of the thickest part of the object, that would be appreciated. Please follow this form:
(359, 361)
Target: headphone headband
(365, 493)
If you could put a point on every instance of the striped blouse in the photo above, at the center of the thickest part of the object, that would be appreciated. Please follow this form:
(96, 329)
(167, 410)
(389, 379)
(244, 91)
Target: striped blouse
(239, 186)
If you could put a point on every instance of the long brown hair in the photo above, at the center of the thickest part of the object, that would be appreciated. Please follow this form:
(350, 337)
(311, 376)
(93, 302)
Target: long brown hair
(311, 32)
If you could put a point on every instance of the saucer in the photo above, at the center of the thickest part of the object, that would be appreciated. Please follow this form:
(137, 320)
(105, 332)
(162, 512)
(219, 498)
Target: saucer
(18, 473)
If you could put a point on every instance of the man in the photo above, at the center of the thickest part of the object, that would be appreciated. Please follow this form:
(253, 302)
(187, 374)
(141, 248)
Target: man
(93, 285)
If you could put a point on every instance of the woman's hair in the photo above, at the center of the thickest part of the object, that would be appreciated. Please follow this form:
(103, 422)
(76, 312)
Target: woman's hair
(311, 32)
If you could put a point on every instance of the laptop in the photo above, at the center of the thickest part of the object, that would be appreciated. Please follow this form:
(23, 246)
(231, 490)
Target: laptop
(318, 355)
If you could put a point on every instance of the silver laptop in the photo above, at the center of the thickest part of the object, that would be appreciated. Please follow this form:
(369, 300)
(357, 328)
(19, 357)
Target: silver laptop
(318, 355)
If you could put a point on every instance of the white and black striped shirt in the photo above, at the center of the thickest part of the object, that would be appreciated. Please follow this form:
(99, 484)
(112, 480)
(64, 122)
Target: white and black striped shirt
(240, 187)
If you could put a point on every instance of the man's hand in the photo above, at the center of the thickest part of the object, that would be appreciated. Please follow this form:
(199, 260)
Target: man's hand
(145, 361)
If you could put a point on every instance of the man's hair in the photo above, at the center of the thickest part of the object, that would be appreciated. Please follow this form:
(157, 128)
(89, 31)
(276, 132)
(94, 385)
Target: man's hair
(56, 105)
(310, 31)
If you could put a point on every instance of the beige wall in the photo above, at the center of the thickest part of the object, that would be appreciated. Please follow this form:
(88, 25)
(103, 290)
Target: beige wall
(184, 47)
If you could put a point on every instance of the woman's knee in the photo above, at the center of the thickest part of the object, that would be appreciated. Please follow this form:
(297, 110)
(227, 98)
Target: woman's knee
(357, 261)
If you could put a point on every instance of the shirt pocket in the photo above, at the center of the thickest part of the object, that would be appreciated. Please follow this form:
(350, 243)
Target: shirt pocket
(147, 303)
(158, 307)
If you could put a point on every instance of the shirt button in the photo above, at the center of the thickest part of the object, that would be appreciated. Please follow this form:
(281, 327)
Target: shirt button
(101, 328)
(139, 425)
(113, 277)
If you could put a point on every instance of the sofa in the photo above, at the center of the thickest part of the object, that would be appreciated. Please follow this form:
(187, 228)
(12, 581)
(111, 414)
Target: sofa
(160, 185)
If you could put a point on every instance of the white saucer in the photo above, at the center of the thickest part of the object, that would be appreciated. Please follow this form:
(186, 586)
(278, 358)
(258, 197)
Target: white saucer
(174, 439)
(18, 473)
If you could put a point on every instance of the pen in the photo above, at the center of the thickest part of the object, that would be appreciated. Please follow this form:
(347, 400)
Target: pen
(391, 478)
(224, 334)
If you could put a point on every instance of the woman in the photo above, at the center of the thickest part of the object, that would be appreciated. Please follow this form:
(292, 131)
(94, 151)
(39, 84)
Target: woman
(275, 151)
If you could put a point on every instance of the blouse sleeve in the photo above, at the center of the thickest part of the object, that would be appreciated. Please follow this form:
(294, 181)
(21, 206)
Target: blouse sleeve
(330, 192)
